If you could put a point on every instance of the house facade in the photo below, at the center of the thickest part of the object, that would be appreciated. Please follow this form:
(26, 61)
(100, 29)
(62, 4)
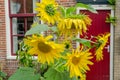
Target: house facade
(10, 16)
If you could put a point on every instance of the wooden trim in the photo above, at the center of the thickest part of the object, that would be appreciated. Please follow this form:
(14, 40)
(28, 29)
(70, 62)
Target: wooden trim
(22, 15)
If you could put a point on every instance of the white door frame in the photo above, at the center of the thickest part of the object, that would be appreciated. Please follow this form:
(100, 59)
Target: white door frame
(105, 7)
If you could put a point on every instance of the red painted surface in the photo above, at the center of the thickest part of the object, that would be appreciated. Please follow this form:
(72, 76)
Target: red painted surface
(100, 70)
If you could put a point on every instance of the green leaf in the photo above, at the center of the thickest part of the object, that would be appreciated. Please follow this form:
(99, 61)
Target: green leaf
(70, 10)
(63, 11)
(60, 65)
(111, 2)
(2, 74)
(42, 78)
(91, 9)
(37, 29)
(53, 74)
(85, 42)
(59, 76)
(25, 73)
(53, 28)
(50, 74)
(88, 7)
(1, 78)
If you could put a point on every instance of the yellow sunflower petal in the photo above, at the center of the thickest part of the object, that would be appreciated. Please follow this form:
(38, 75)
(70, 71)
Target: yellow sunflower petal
(99, 52)
(48, 11)
(78, 62)
(46, 50)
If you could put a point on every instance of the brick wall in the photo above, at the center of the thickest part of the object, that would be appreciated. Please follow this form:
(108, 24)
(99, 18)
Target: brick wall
(66, 2)
(9, 66)
(2, 34)
(117, 43)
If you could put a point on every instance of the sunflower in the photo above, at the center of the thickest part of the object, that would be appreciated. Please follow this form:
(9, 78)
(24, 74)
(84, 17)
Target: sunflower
(102, 39)
(72, 25)
(68, 44)
(45, 49)
(47, 11)
(78, 61)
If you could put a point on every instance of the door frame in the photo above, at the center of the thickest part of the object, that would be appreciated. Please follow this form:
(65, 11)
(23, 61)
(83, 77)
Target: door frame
(105, 7)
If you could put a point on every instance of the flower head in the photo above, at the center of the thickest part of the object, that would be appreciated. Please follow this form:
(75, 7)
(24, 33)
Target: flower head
(47, 11)
(103, 39)
(68, 44)
(78, 62)
(46, 50)
(74, 24)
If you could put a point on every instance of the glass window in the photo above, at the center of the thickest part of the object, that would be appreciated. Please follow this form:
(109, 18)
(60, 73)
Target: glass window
(21, 18)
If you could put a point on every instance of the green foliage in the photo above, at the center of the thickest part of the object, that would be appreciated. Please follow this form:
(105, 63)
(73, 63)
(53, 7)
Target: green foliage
(60, 65)
(63, 11)
(53, 28)
(2, 75)
(85, 42)
(37, 29)
(25, 73)
(53, 74)
(111, 19)
(25, 59)
(71, 10)
(88, 7)
(111, 2)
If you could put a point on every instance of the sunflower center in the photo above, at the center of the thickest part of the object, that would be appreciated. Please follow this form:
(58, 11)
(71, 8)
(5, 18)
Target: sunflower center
(75, 60)
(45, 48)
(73, 26)
(67, 45)
(50, 9)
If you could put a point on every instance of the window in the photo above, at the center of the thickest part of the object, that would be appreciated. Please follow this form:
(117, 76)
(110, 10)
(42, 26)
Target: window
(21, 15)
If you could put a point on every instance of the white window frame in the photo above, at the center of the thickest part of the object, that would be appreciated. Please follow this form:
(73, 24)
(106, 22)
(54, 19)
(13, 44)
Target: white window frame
(105, 7)
(8, 37)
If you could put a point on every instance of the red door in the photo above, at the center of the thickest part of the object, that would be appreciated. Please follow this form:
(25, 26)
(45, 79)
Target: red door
(100, 70)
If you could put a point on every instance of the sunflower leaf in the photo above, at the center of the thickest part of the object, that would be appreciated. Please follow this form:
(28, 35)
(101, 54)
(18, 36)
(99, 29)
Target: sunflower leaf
(70, 10)
(60, 65)
(2, 74)
(85, 42)
(63, 11)
(53, 74)
(37, 29)
(25, 73)
(53, 28)
(88, 7)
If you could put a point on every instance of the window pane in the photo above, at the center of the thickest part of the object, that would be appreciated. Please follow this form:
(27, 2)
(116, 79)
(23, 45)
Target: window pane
(30, 6)
(18, 26)
(22, 6)
(29, 22)
(16, 40)
(16, 6)
(21, 26)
